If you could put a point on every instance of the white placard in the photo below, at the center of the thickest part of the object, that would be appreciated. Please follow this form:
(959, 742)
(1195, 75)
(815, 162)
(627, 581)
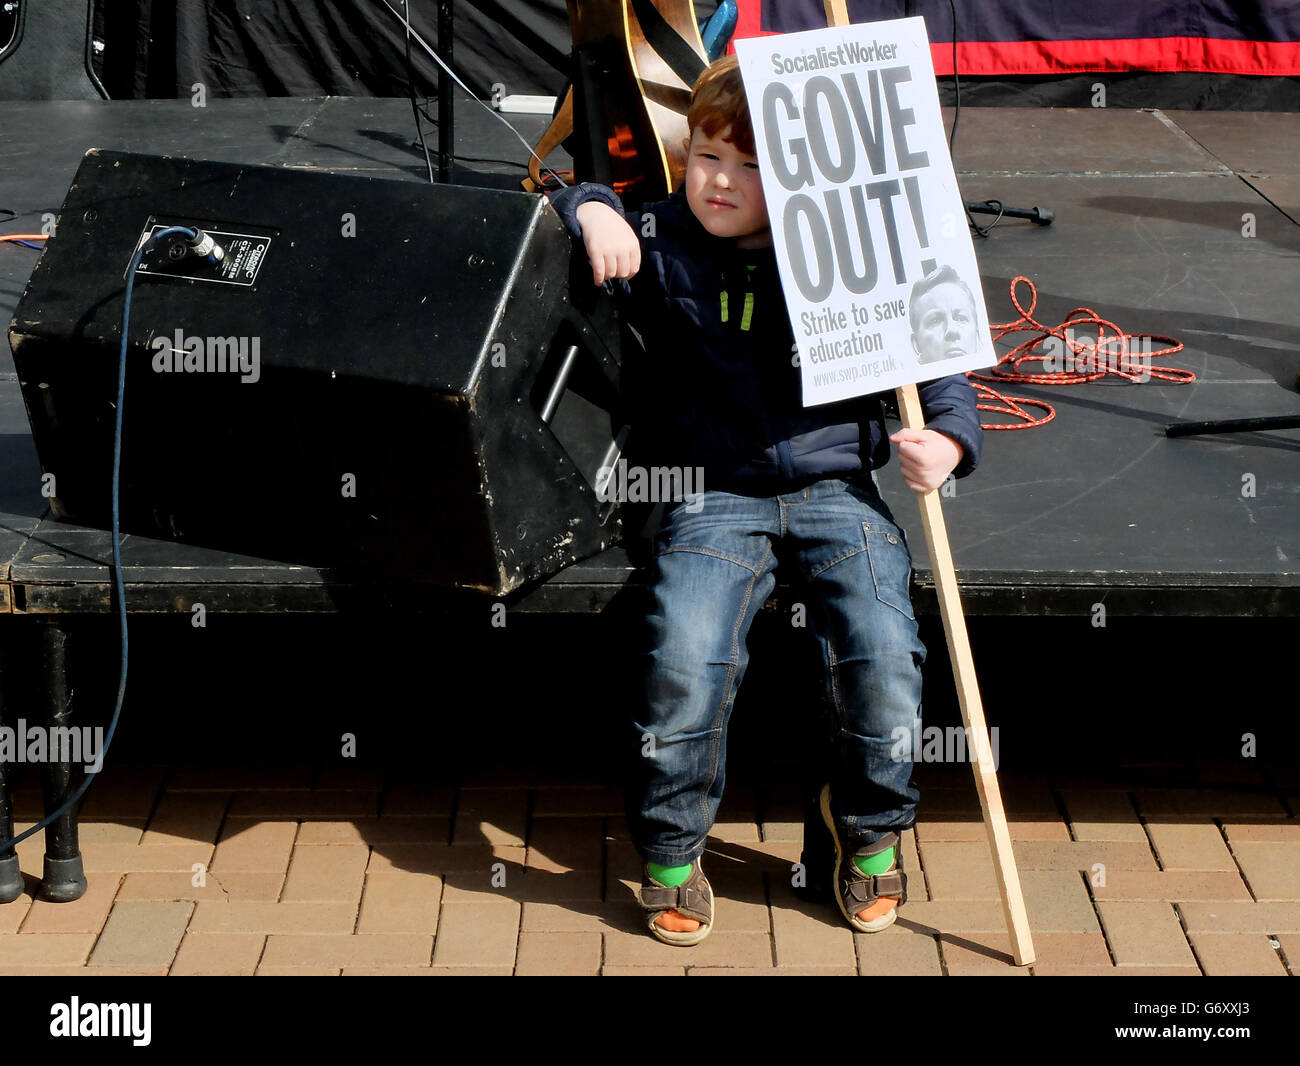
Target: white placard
(864, 204)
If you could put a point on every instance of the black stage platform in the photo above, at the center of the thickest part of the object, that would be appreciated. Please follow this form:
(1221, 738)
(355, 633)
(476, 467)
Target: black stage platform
(1097, 506)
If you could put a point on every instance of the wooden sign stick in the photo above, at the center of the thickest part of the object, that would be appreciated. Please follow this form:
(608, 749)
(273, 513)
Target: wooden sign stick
(963, 669)
(968, 695)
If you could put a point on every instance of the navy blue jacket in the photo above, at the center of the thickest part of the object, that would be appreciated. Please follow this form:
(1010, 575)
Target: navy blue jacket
(721, 389)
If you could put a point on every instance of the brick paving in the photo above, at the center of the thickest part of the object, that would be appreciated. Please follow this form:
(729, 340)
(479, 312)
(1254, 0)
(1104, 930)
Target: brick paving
(285, 870)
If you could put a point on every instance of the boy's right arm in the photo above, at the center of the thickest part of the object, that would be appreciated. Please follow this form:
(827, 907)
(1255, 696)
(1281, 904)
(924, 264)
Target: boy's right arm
(594, 213)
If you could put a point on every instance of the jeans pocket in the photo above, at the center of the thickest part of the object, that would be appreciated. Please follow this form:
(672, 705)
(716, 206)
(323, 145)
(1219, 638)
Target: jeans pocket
(891, 564)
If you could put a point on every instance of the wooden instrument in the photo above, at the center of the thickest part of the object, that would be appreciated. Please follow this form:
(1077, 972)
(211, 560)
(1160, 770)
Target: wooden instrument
(634, 64)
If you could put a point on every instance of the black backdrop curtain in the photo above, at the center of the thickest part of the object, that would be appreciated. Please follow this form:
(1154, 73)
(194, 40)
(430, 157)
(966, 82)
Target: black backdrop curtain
(161, 48)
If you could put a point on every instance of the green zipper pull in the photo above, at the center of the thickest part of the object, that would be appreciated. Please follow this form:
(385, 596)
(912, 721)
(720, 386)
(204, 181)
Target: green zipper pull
(747, 315)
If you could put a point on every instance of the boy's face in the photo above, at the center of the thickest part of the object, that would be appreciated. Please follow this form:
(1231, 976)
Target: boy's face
(724, 190)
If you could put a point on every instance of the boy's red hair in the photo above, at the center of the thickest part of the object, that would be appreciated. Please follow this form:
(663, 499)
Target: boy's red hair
(718, 102)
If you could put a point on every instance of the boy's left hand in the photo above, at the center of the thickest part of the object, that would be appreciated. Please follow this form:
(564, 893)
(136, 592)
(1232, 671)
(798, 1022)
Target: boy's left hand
(925, 457)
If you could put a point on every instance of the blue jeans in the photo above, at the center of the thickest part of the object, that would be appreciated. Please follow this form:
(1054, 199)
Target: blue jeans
(714, 560)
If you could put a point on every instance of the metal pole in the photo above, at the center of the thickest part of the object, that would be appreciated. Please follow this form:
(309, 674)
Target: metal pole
(64, 878)
(11, 878)
(446, 138)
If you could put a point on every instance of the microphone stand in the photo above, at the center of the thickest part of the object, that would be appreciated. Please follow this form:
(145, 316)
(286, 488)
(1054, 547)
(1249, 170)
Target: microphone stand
(445, 116)
(446, 148)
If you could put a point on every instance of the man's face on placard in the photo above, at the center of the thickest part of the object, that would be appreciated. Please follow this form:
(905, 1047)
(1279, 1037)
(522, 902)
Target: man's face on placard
(944, 324)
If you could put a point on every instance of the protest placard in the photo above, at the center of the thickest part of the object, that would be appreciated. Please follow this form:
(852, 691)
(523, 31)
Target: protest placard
(868, 224)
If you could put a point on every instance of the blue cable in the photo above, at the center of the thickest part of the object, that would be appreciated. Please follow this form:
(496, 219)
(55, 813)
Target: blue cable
(119, 584)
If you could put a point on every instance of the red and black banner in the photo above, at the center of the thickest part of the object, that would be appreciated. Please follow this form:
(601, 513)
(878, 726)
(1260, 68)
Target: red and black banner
(1000, 38)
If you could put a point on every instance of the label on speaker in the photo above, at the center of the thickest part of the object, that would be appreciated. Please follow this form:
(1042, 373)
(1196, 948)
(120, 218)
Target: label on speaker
(242, 254)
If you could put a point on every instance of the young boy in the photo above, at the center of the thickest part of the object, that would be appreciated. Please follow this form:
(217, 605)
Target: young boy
(722, 395)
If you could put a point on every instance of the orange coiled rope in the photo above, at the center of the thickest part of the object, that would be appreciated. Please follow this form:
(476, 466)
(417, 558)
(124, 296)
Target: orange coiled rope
(1010, 405)
(1064, 359)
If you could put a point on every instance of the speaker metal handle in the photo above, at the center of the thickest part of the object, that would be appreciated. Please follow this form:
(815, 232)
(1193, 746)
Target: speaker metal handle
(560, 384)
(609, 464)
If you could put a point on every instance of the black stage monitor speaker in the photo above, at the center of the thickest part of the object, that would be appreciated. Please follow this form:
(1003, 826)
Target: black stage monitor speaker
(383, 377)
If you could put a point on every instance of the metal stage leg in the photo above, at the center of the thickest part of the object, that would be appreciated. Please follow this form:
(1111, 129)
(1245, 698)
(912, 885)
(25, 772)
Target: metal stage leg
(64, 878)
(11, 878)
